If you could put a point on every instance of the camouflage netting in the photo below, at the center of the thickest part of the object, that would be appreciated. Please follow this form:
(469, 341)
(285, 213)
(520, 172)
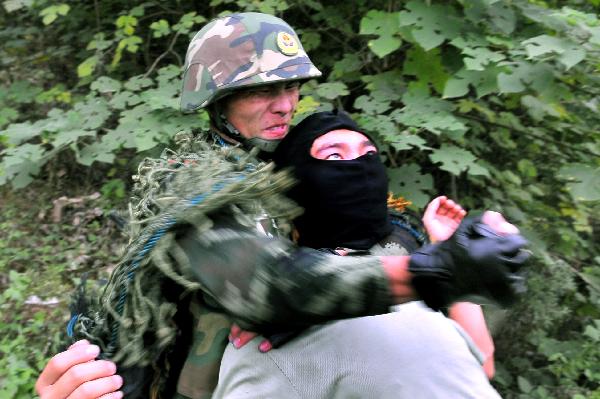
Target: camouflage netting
(133, 322)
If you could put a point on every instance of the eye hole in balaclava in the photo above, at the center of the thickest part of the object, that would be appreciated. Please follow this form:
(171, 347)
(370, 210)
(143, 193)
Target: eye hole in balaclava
(344, 201)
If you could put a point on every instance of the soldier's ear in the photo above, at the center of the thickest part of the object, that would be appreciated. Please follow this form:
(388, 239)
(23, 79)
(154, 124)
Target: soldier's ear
(295, 235)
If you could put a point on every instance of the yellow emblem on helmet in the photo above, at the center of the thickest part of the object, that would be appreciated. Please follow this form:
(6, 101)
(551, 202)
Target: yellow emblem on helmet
(287, 43)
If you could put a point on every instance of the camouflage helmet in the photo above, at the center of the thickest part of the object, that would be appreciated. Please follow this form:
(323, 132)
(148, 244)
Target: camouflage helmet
(241, 50)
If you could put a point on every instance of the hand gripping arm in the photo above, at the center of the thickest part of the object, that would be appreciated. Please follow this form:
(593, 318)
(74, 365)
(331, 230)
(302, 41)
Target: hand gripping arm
(475, 260)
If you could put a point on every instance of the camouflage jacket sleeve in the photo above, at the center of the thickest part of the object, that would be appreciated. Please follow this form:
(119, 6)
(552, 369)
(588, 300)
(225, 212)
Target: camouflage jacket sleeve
(267, 283)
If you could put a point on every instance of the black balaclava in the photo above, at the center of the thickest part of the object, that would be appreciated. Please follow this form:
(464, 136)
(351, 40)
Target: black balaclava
(344, 201)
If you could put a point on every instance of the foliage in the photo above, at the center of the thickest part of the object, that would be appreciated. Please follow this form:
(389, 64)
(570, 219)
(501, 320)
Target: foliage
(44, 252)
(493, 102)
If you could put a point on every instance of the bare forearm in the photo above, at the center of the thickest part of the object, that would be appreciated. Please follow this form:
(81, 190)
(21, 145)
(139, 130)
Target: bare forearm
(470, 317)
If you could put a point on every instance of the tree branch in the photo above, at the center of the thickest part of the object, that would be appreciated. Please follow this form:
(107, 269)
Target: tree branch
(529, 133)
(163, 55)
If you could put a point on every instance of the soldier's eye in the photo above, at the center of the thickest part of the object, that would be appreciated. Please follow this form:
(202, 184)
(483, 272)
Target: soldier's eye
(262, 92)
(292, 85)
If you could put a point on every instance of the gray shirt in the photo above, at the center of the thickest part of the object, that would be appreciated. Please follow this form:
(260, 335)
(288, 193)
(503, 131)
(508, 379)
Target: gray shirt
(412, 353)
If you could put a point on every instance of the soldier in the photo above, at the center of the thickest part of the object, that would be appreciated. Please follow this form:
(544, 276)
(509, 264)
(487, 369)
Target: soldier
(207, 239)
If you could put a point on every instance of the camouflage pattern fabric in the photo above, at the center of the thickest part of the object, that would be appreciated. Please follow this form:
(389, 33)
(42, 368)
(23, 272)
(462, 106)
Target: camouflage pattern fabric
(244, 49)
(200, 372)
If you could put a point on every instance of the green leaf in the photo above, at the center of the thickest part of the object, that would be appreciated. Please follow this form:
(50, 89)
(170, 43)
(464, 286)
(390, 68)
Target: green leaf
(380, 125)
(503, 16)
(484, 83)
(431, 24)
(426, 66)
(7, 115)
(14, 5)
(524, 384)
(371, 106)
(104, 84)
(49, 14)
(583, 181)
(99, 42)
(22, 91)
(138, 82)
(310, 40)
(160, 28)
(385, 26)
(409, 182)
(127, 23)
(65, 138)
(93, 112)
(164, 96)
(539, 109)
(131, 43)
(86, 68)
(545, 44)
(407, 142)
(423, 111)
(306, 105)
(478, 58)
(572, 57)
(18, 133)
(570, 54)
(167, 73)
(98, 151)
(523, 74)
(333, 90)
(527, 168)
(20, 163)
(386, 86)
(124, 99)
(457, 160)
(187, 21)
(349, 64)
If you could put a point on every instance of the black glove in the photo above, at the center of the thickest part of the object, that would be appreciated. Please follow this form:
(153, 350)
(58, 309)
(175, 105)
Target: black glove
(474, 261)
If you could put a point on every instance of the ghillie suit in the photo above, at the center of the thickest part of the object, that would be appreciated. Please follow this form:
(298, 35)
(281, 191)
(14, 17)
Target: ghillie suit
(145, 313)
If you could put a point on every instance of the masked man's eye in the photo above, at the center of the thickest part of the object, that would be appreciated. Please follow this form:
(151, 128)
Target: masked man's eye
(333, 157)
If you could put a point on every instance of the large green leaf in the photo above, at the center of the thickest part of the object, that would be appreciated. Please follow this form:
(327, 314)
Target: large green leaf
(98, 151)
(435, 115)
(457, 160)
(385, 26)
(104, 84)
(371, 105)
(332, 90)
(431, 24)
(426, 66)
(409, 182)
(523, 74)
(484, 82)
(583, 181)
(402, 142)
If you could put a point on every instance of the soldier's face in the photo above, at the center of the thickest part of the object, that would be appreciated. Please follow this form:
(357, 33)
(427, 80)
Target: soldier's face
(341, 144)
(264, 112)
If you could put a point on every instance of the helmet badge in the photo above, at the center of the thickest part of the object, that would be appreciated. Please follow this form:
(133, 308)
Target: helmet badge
(287, 43)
